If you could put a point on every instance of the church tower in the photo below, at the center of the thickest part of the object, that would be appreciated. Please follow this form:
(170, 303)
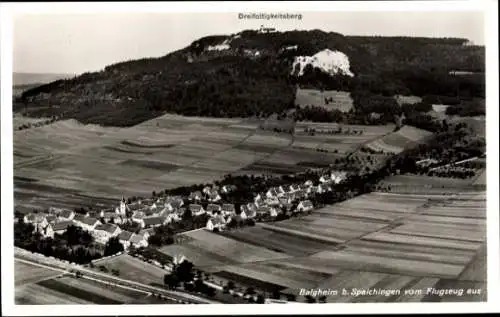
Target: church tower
(123, 206)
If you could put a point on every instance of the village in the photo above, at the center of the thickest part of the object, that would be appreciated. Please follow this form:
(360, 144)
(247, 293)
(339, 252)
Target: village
(147, 214)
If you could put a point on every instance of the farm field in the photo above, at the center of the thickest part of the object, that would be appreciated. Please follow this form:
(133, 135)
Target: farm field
(339, 100)
(28, 274)
(41, 286)
(397, 141)
(422, 183)
(278, 241)
(68, 164)
(380, 240)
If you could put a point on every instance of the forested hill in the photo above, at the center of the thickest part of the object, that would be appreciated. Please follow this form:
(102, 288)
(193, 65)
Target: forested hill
(250, 73)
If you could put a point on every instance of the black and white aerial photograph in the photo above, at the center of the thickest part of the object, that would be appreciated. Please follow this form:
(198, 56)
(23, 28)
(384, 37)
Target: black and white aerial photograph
(249, 155)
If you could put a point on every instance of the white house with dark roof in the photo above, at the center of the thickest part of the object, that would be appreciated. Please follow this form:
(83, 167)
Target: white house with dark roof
(251, 206)
(338, 176)
(251, 213)
(151, 222)
(124, 238)
(109, 215)
(171, 217)
(138, 240)
(103, 232)
(263, 210)
(39, 221)
(243, 212)
(294, 187)
(153, 206)
(197, 195)
(58, 227)
(138, 216)
(259, 197)
(77, 220)
(283, 189)
(118, 220)
(213, 196)
(274, 201)
(87, 223)
(66, 215)
(325, 179)
(312, 190)
(283, 201)
(174, 204)
(196, 209)
(213, 209)
(305, 205)
(247, 213)
(216, 222)
(134, 207)
(266, 211)
(206, 190)
(228, 209)
(272, 192)
(300, 194)
(53, 218)
(160, 201)
(308, 183)
(146, 233)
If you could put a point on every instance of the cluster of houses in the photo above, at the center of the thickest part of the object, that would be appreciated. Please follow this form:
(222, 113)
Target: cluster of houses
(154, 212)
(57, 221)
(269, 204)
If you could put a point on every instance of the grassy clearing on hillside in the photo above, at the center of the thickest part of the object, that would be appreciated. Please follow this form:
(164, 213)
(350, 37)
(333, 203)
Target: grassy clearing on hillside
(328, 99)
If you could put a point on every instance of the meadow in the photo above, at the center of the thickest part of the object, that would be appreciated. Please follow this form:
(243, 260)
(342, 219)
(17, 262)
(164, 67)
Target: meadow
(134, 269)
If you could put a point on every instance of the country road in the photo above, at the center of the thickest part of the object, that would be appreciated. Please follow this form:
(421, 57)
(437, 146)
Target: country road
(40, 260)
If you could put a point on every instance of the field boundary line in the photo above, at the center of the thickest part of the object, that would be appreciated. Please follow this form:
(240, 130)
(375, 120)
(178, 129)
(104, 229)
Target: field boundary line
(478, 252)
(47, 278)
(390, 225)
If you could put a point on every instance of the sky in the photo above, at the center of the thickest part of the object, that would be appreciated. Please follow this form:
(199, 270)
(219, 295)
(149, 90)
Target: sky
(63, 43)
